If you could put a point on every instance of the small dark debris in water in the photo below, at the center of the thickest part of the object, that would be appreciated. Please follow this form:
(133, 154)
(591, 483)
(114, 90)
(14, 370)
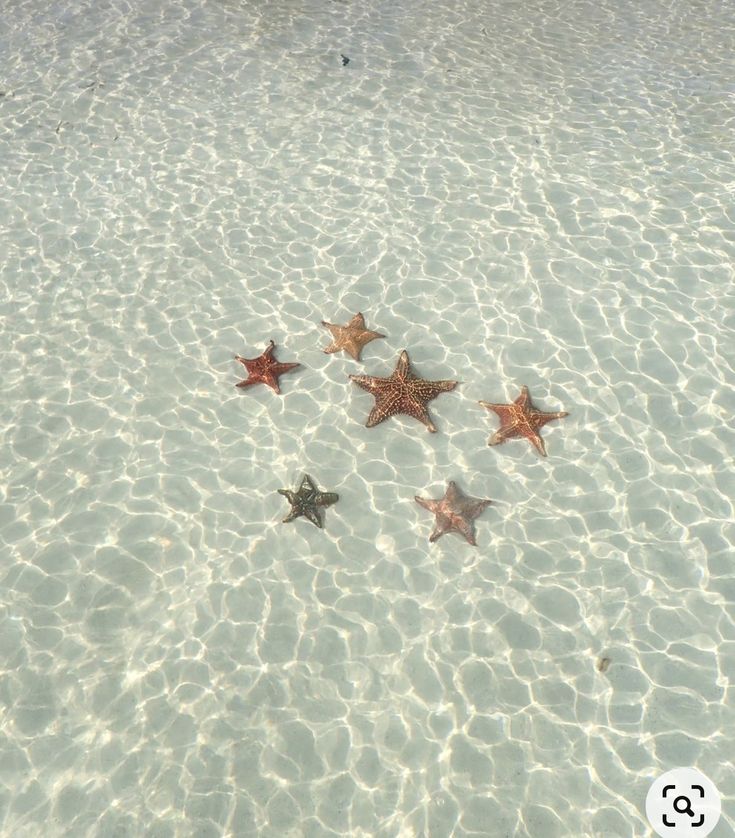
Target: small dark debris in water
(603, 664)
(345, 60)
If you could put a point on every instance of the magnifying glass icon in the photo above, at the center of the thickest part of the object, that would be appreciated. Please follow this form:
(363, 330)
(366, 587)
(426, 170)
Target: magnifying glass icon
(687, 806)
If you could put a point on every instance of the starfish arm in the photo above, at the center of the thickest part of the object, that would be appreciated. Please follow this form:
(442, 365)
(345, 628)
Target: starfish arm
(313, 516)
(306, 485)
(358, 324)
(270, 376)
(387, 403)
(506, 412)
(352, 347)
(477, 508)
(453, 493)
(372, 335)
(369, 382)
(295, 510)
(326, 498)
(357, 342)
(467, 529)
(538, 419)
(403, 367)
(248, 382)
(414, 408)
(442, 526)
(538, 443)
(507, 432)
(442, 386)
(524, 399)
(333, 328)
(436, 534)
(427, 503)
(376, 416)
(280, 368)
(269, 349)
(366, 336)
(271, 380)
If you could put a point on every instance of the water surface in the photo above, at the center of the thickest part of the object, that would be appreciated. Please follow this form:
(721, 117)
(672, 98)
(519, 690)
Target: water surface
(533, 193)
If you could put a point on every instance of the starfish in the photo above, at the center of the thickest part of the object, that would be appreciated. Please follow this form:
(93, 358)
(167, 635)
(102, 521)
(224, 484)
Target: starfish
(521, 419)
(351, 337)
(403, 392)
(264, 369)
(307, 501)
(455, 512)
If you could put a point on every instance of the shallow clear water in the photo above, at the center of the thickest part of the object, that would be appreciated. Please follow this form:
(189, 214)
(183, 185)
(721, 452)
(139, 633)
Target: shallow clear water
(533, 193)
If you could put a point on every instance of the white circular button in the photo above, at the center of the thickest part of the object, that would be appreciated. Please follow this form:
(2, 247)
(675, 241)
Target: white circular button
(683, 803)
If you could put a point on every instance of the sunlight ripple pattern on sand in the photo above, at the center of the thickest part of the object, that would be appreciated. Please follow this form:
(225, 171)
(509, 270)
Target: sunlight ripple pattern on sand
(519, 194)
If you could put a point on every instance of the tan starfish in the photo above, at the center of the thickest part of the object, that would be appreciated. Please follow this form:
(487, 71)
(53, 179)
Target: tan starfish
(403, 392)
(521, 419)
(455, 512)
(351, 337)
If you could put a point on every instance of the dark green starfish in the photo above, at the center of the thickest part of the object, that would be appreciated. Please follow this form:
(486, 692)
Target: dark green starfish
(307, 501)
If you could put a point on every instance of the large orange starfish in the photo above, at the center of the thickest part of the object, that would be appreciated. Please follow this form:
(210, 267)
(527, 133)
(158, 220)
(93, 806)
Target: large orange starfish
(351, 337)
(264, 369)
(455, 512)
(521, 419)
(403, 392)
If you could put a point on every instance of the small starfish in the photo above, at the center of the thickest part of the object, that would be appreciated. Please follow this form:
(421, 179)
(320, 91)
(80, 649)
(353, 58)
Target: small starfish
(455, 512)
(307, 501)
(521, 419)
(351, 337)
(403, 392)
(264, 369)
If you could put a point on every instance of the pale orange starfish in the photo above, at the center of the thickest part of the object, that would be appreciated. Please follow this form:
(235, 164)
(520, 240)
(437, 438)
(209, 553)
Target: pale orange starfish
(521, 419)
(352, 337)
(455, 512)
(403, 392)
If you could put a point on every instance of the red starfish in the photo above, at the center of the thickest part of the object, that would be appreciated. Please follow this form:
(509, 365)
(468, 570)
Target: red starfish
(521, 419)
(264, 369)
(455, 512)
(403, 392)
